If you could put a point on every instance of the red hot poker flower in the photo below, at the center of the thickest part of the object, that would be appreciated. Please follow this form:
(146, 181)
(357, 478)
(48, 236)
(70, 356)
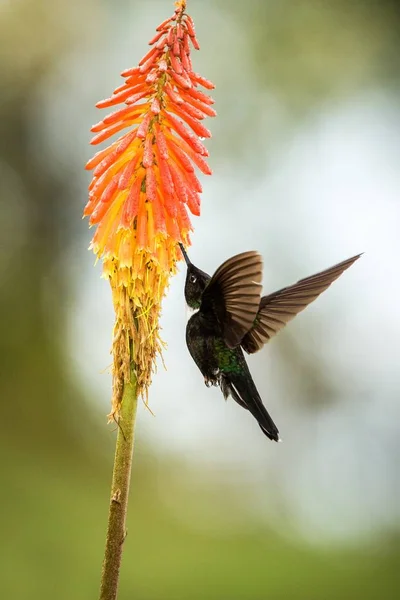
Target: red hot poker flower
(143, 185)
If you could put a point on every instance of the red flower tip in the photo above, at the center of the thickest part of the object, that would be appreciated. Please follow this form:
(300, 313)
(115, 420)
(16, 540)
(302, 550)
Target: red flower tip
(144, 182)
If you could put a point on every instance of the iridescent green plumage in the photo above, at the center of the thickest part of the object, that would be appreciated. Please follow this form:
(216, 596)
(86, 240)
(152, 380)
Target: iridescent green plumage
(228, 360)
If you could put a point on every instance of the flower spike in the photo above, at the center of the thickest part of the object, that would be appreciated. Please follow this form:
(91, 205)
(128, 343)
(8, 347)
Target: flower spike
(143, 185)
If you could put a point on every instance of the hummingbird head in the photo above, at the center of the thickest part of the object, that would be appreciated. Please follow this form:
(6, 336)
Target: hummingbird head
(196, 281)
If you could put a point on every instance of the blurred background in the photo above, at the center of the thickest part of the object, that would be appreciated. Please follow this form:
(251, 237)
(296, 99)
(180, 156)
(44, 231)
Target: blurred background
(305, 153)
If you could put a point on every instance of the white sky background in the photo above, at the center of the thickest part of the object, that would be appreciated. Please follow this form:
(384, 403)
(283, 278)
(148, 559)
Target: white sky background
(330, 190)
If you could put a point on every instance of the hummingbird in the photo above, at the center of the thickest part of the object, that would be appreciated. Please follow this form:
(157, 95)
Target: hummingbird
(230, 315)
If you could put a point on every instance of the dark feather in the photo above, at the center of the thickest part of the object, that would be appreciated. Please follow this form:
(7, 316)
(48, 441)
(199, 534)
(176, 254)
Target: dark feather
(244, 392)
(232, 296)
(277, 309)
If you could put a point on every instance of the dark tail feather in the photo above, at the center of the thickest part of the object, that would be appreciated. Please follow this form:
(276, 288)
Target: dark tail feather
(245, 393)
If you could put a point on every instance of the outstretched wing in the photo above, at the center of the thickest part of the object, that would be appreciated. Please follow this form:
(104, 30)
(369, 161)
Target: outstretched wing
(282, 306)
(233, 296)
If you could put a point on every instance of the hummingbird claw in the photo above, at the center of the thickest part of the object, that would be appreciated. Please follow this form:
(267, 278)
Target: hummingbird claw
(214, 381)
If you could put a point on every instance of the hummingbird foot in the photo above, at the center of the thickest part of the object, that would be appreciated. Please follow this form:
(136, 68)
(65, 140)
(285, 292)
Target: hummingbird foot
(213, 380)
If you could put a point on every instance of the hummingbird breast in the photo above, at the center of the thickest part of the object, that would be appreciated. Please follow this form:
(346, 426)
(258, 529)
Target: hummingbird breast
(200, 340)
(190, 312)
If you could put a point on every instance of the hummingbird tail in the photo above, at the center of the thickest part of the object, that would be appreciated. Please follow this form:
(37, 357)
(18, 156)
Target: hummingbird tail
(245, 393)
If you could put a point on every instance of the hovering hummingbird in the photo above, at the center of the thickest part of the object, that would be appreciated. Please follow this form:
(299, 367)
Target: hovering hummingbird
(229, 316)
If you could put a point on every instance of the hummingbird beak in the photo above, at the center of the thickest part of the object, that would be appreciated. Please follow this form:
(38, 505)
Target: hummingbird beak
(185, 256)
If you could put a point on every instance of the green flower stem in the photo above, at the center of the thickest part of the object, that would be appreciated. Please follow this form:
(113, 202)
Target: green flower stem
(116, 532)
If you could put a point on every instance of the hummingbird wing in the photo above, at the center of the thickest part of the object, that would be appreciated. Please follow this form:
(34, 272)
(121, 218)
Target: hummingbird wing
(282, 306)
(232, 296)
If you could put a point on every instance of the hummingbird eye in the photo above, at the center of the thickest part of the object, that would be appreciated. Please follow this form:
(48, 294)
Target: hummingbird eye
(192, 278)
